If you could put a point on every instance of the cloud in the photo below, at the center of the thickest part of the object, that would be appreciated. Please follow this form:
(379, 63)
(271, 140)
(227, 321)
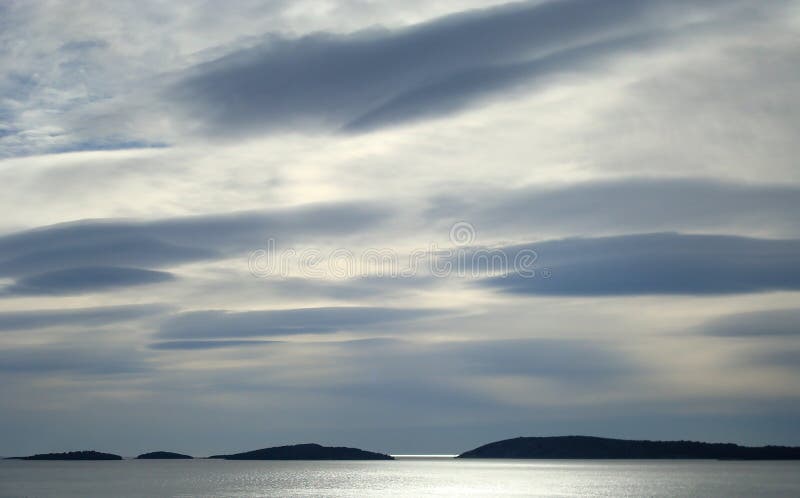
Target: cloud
(551, 358)
(193, 345)
(448, 377)
(662, 263)
(87, 317)
(84, 279)
(379, 77)
(95, 243)
(620, 96)
(785, 358)
(221, 324)
(457, 91)
(71, 60)
(358, 287)
(628, 205)
(60, 359)
(769, 323)
(171, 241)
(562, 359)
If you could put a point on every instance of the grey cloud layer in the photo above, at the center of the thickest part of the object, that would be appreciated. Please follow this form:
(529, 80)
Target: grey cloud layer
(95, 360)
(174, 240)
(568, 360)
(223, 324)
(662, 263)
(201, 344)
(35, 319)
(629, 205)
(699, 88)
(82, 256)
(405, 365)
(376, 78)
(85, 279)
(770, 323)
(400, 372)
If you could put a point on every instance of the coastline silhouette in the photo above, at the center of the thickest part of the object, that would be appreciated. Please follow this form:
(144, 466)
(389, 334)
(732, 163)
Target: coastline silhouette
(552, 447)
(70, 455)
(308, 451)
(590, 447)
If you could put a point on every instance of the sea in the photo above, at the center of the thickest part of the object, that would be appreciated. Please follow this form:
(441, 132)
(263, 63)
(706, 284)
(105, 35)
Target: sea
(412, 477)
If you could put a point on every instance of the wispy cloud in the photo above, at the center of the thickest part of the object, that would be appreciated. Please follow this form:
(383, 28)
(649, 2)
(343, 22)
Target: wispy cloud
(628, 205)
(375, 78)
(100, 254)
(84, 279)
(662, 263)
(97, 360)
(222, 324)
(767, 323)
(87, 317)
(644, 149)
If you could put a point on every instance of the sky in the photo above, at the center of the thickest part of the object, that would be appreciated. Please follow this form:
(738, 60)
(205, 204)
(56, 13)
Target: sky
(409, 227)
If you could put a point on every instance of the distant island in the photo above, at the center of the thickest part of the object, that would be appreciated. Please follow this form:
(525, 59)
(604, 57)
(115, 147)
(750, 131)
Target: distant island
(605, 448)
(554, 447)
(71, 455)
(163, 455)
(309, 451)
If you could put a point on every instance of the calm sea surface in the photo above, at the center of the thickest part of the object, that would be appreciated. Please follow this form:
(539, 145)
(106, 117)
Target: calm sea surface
(406, 477)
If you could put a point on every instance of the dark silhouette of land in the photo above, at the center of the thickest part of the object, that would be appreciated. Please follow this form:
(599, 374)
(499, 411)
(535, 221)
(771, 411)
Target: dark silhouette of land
(71, 455)
(163, 455)
(605, 448)
(555, 447)
(306, 452)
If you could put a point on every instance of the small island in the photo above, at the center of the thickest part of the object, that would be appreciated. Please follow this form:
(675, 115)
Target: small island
(71, 455)
(309, 451)
(606, 448)
(163, 455)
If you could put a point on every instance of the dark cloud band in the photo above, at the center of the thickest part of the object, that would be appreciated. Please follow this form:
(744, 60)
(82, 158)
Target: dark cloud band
(35, 319)
(769, 323)
(628, 205)
(662, 263)
(376, 78)
(85, 279)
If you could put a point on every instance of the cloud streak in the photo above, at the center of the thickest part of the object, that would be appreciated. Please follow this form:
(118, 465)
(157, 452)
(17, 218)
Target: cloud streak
(102, 254)
(86, 317)
(769, 323)
(375, 78)
(628, 205)
(172, 241)
(224, 324)
(662, 263)
(84, 279)
(203, 345)
(97, 360)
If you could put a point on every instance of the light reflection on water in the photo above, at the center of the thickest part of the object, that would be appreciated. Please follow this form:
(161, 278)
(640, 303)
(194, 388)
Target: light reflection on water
(403, 477)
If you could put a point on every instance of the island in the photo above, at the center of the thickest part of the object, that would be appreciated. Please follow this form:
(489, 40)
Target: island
(163, 455)
(71, 455)
(308, 451)
(589, 447)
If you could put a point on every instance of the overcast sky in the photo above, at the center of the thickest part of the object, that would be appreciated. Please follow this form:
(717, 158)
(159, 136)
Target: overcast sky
(205, 208)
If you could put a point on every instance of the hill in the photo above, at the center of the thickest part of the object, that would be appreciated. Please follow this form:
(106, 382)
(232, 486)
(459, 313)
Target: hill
(306, 452)
(71, 455)
(601, 448)
(162, 455)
